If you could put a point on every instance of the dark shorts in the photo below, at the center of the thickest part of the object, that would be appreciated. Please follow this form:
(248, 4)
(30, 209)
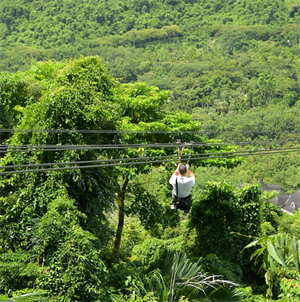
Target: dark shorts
(183, 204)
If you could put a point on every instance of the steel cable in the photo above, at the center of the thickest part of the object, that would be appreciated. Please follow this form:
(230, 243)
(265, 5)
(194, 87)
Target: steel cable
(147, 162)
(39, 148)
(139, 158)
(136, 131)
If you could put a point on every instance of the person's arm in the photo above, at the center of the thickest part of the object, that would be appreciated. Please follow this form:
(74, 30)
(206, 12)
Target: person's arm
(176, 172)
(173, 177)
(190, 173)
(192, 178)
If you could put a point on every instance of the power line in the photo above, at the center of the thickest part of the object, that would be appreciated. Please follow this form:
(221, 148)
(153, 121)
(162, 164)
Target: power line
(141, 162)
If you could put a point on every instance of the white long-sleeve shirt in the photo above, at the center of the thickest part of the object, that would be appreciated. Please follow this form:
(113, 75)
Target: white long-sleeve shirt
(185, 185)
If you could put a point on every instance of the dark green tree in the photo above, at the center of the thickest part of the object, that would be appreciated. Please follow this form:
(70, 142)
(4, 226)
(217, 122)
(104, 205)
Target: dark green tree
(225, 220)
(36, 207)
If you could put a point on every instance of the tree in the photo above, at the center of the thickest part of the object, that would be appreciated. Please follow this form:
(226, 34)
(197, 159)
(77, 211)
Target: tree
(141, 105)
(229, 217)
(15, 92)
(75, 199)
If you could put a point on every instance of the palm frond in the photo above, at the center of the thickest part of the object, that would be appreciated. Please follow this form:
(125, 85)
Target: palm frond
(185, 278)
(29, 297)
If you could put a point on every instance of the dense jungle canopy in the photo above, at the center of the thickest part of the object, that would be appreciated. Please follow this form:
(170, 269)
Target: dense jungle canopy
(221, 56)
(222, 73)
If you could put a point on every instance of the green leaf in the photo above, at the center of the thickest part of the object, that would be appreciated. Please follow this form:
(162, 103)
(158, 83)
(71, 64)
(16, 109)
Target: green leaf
(295, 251)
(273, 253)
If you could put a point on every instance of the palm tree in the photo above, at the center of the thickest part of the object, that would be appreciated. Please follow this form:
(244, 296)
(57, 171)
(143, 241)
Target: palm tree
(182, 278)
(29, 297)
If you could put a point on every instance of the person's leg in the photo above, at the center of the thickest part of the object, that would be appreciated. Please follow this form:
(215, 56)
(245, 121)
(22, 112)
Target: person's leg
(189, 204)
(174, 202)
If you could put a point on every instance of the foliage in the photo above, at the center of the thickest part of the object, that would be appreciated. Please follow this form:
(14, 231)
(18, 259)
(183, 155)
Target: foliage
(185, 279)
(152, 252)
(280, 256)
(288, 224)
(75, 270)
(15, 93)
(271, 214)
(216, 58)
(58, 217)
(290, 289)
(275, 121)
(228, 218)
(214, 265)
(81, 95)
(247, 295)
(218, 66)
(133, 234)
(148, 209)
(141, 111)
(17, 271)
(26, 295)
(139, 37)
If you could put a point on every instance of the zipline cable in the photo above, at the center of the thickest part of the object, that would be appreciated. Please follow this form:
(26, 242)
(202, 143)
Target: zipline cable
(39, 148)
(84, 147)
(136, 163)
(137, 131)
(187, 156)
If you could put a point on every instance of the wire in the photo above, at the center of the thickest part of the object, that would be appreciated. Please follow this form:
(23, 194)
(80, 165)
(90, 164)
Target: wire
(134, 158)
(140, 162)
(134, 131)
(84, 162)
(39, 148)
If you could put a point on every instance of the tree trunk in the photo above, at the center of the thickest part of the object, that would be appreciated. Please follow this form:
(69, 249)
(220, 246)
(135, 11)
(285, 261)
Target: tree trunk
(120, 202)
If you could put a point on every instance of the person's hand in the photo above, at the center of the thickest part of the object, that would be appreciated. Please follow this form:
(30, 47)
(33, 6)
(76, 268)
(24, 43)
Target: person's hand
(187, 167)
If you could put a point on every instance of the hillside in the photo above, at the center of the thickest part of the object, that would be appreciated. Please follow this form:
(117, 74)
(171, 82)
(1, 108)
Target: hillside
(225, 56)
(68, 28)
(101, 232)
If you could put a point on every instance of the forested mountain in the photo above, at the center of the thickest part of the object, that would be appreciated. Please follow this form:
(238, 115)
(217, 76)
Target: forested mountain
(225, 55)
(222, 73)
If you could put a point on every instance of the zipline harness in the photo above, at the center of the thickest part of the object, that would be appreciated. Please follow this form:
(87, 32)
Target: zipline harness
(186, 202)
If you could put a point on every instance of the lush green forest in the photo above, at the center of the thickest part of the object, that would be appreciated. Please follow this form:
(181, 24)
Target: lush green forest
(108, 234)
(217, 58)
(224, 74)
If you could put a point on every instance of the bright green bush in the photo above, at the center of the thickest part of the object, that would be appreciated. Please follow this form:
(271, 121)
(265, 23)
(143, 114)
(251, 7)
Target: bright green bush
(153, 252)
(290, 290)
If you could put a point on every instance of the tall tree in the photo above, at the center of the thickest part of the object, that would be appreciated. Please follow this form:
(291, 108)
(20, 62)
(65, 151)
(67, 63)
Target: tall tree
(228, 218)
(59, 216)
(141, 107)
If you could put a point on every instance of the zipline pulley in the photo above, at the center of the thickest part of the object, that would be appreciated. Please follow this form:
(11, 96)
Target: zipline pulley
(180, 153)
(191, 150)
(182, 149)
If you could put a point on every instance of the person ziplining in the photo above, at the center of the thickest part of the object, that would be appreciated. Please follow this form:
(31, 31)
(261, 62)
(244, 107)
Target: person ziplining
(182, 185)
